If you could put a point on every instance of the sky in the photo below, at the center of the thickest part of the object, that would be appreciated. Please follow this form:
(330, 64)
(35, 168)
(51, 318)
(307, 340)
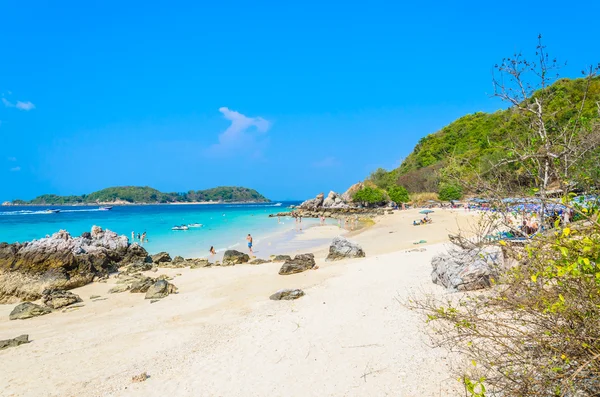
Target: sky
(289, 98)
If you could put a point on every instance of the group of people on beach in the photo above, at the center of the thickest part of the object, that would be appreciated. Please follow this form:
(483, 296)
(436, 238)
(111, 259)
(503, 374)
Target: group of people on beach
(141, 237)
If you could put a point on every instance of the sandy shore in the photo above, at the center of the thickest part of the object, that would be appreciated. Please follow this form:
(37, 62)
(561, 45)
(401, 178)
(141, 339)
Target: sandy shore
(222, 336)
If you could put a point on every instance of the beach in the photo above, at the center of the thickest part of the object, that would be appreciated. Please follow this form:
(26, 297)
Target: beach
(220, 335)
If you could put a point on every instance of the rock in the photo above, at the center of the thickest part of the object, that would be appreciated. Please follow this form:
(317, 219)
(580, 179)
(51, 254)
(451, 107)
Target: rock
(196, 263)
(233, 257)
(160, 289)
(281, 258)
(287, 294)
(137, 267)
(330, 200)
(342, 248)
(467, 270)
(161, 257)
(142, 285)
(62, 262)
(140, 378)
(178, 259)
(258, 261)
(28, 310)
(57, 298)
(119, 288)
(19, 340)
(313, 204)
(299, 264)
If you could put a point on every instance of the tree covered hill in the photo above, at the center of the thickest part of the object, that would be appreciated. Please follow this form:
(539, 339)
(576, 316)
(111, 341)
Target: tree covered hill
(470, 144)
(145, 194)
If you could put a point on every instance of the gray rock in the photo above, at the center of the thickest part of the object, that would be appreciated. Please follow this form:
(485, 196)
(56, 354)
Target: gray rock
(27, 310)
(281, 258)
(136, 267)
(119, 288)
(233, 257)
(467, 270)
(57, 298)
(287, 294)
(142, 285)
(178, 259)
(197, 263)
(160, 289)
(300, 263)
(19, 340)
(342, 248)
(161, 257)
(258, 261)
(313, 204)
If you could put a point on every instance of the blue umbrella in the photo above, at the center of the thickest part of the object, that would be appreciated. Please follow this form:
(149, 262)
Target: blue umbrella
(426, 212)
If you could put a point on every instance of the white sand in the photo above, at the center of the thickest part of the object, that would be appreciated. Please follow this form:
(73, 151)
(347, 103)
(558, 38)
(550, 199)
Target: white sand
(222, 336)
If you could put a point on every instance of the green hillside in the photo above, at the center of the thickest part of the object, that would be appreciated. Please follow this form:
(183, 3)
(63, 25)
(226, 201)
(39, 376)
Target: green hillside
(145, 194)
(472, 142)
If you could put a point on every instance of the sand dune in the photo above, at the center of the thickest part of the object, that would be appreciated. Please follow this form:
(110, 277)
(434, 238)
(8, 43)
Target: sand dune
(222, 336)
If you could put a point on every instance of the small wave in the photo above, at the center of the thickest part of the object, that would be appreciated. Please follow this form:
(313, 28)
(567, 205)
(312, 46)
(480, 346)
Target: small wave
(252, 205)
(24, 212)
(234, 245)
(86, 210)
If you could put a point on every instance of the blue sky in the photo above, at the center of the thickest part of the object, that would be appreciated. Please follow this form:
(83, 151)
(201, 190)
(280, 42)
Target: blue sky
(288, 98)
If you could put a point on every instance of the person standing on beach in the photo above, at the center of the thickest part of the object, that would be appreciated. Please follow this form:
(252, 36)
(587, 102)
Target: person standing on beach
(132, 236)
(249, 240)
(143, 236)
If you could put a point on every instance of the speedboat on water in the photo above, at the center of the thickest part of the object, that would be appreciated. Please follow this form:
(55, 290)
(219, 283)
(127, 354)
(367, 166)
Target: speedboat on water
(105, 208)
(195, 225)
(182, 227)
(52, 211)
(277, 205)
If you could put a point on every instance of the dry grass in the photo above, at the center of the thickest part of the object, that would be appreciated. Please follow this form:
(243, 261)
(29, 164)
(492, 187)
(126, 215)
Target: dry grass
(422, 198)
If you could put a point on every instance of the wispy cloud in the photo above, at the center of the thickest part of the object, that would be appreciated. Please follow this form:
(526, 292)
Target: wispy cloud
(326, 162)
(19, 105)
(15, 169)
(245, 132)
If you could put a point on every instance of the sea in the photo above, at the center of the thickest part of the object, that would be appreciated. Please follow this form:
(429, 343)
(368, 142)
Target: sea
(223, 226)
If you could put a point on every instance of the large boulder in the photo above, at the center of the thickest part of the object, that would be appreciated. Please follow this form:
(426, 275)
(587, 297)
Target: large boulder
(19, 340)
(467, 270)
(142, 285)
(27, 310)
(342, 248)
(62, 262)
(58, 298)
(160, 289)
(287, 294)
(233, 257)
(313, 204)
(161, 257)
(300, 263)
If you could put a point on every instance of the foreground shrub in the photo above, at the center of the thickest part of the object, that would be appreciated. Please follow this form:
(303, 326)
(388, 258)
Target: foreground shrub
(398, 194)
(369, 195)
(449, 192)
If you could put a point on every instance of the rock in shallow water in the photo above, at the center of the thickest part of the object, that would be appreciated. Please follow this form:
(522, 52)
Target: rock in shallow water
(467, 270)
(233, 257)
(342, 248)
(287, 294)
(19, 340)
(27, 310)
(58, 298)
(160, 289)
(300, 263)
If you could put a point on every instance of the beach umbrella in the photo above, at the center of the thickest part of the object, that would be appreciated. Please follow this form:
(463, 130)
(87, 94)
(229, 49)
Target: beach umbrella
(426, 212)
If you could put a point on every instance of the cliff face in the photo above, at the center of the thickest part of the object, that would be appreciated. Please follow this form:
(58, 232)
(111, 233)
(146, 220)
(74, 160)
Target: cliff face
(62, 262)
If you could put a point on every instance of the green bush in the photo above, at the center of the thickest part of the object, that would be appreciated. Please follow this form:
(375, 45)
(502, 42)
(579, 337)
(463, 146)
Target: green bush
(398, 194)
(369, 195)
(449, 192)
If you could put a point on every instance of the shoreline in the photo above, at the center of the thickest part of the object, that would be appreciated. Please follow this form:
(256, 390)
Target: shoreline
(127, 204)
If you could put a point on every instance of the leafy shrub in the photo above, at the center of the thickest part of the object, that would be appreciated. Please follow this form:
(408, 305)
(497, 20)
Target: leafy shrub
(398, 194)
(449, 192)
(369, 195)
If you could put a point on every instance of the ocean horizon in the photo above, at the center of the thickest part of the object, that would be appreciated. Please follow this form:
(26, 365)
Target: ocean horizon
(224, 226)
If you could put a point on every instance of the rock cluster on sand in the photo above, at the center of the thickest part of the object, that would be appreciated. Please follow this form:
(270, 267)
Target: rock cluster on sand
(19, 340)
(161, 257)
(467, 270)
(287, 294)
(280, 258)
(61, 262)
(233, 257)
(160, 289)
(258, 261)
(27, 310)
(300, 263)
(342, 248)
(58, 298)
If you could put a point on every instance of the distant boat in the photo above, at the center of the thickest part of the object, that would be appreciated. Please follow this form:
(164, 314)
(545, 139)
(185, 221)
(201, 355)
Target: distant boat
(195, 225)
(105, 208)
(277, 205)
(182, 227)
(52, 211)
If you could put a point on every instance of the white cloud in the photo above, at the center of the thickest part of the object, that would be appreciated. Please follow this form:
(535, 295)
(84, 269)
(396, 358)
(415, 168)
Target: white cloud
(7, 103)
(15, 169)
(24, 105)
(326, 162)
(245, 132)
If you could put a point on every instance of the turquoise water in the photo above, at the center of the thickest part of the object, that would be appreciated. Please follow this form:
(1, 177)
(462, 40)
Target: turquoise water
(223, 225)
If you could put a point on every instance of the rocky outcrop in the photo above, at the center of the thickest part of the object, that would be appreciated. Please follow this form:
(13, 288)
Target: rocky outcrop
(342, 248)
(160, 289)
(299, 264)
(119, 288)
(142, 285)
(287, 294)
(27, 310)
(258, 261)
(19, 340)
(233, 257)
(335, 200)
(313, 204)
(56, 299)
(467, 270)
(198, 262)
(62, 262)
(161, 257)
(280, 258)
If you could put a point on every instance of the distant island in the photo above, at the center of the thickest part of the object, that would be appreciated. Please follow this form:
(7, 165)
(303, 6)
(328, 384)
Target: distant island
(147, 195)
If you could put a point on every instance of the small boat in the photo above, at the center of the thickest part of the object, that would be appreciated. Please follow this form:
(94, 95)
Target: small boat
(277, 205)
(195, 225)
(52, 211)
(182, 227)
(105, 208)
